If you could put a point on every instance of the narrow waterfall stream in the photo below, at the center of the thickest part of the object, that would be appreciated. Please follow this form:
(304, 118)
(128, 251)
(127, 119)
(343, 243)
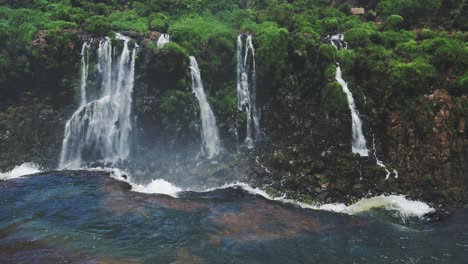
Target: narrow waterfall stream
(211, 145)
(100, 129)
(84, 71)
(358, 140)
(246, 89)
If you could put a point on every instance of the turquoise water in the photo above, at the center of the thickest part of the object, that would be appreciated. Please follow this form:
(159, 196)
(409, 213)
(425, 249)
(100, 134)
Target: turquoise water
(88, 217)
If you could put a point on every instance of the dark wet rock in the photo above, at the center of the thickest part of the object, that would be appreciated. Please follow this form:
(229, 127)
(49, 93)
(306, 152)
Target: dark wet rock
(31, 133)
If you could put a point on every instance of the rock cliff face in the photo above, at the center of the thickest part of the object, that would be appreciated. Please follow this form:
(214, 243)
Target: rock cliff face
(31, 133)
(432, 153)
(309, 154)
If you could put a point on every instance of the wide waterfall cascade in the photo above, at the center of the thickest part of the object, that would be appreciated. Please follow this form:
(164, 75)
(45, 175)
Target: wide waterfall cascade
(211, 145)
(246, 88)
(100, 129)
(358, 139)
(84, 71)
(162, 40)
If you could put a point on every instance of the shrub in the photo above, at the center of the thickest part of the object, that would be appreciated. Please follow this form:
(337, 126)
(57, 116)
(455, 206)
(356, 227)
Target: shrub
(193, 33)
(411, 78)
(327, 53)
(97, 25)
(394, 22)
(158, 22)
(334, 99)
(128, 20)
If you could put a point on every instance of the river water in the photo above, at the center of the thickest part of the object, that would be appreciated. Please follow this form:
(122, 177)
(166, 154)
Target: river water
(90, 217)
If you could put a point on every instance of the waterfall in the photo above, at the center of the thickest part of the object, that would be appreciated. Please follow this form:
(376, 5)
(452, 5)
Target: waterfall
(100, 129)
(84, 71)
(246, 88)
(358, 140)
(338, 41)
(163, 39)
(211, 144)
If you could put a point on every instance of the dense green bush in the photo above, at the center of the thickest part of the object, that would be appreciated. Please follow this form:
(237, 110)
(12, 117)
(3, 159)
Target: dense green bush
(158, 22)
(397, 51)
(194, 33)
(393, 22)
(410, 10)
(97, 25)
(128, 20)
(411, 78)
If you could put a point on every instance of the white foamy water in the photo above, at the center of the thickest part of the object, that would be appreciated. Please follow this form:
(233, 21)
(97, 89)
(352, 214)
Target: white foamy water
(399, 204)
(159, 186)
(21, 170)
(402, 206)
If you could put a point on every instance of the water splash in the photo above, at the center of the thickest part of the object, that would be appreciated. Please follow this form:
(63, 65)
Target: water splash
(402, 206)
(100, 129)
(246, 88)
(211, 145)
(26, 168)
(163, 39)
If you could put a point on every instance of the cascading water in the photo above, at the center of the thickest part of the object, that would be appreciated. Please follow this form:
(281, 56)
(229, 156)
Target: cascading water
(163, 39)
(84, 71)
(338, 41)
(211, 144)
(358, 139)
(246, 88)
(100, 129)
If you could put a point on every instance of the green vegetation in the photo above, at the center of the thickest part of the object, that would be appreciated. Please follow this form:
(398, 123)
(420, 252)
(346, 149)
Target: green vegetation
(400, 49)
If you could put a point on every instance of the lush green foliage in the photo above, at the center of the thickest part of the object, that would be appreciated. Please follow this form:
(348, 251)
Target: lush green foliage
(399, 49)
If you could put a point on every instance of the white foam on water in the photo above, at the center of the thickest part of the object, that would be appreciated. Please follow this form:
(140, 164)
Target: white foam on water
(159, 186)
(399, 204)
(402, 206)
(26, 168)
